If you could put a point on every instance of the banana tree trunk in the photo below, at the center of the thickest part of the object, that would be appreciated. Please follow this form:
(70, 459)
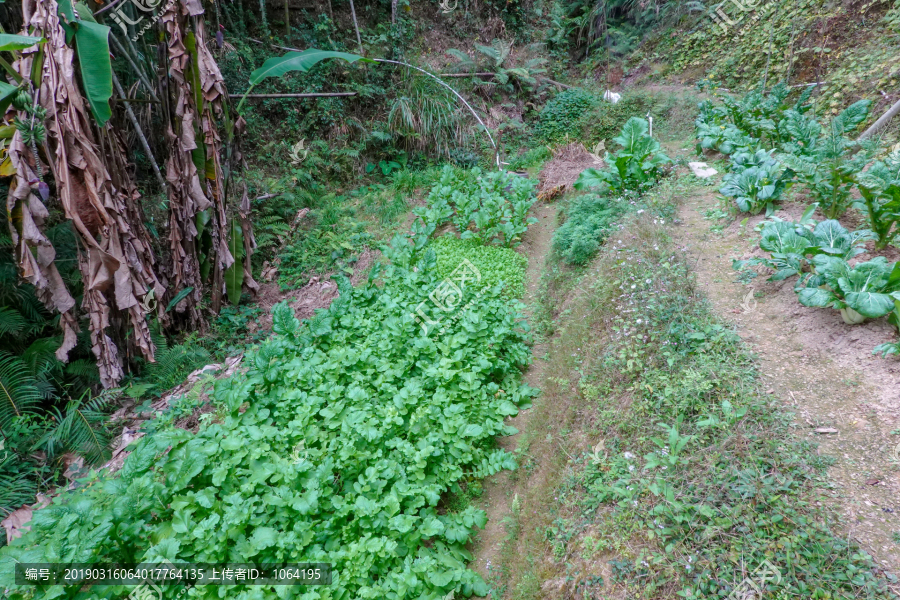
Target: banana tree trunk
(115, 257)
(198, 217)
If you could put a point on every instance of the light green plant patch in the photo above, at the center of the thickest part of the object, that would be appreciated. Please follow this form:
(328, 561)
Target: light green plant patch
(495, 264)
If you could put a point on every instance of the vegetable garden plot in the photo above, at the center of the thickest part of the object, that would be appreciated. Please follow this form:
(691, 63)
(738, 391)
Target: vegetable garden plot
(335, 446)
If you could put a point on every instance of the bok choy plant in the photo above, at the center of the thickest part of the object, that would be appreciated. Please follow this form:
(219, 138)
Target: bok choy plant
(865, 291)
(791, 245)
(880, 189)
(636, 166)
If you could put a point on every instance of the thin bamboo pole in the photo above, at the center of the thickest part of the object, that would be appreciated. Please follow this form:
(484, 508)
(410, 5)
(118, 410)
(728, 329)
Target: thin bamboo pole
(139, 131)
(309, 95)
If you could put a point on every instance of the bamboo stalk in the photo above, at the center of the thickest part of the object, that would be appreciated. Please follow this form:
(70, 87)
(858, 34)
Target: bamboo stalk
(139, 131)
(309, 95)
(881, 122)
(139, 72)
(356, 26)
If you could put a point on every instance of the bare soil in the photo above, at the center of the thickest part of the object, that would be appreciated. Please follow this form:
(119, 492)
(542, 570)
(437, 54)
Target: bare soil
(501, 489)
(843, 397)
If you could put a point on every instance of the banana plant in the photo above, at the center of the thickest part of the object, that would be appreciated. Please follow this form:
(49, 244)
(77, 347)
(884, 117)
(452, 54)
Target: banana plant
(234, 275)
(10, 43)
(92, 47)
(865, 291)
(278, 66)
(880, 189)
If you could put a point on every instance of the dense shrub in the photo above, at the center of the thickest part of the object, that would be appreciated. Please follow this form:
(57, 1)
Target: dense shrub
(589, 220)
(562, 115)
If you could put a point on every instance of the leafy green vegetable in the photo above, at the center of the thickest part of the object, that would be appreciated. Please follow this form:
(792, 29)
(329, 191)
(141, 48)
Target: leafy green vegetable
(335, 445)
(589, 221)
(866, 290)
(792, 244)
(828, 164)
(636, 165)
(880, 189)
(754, 189)
(495, 265)
(491, 207)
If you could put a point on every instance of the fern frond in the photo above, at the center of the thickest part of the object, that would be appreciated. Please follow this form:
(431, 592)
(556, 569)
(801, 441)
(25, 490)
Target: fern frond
(19, 393)
(82, 429)
(85, 369)
(492, 54)
(174, 364)
(15, 490)
(11, 322)
(40, 357)
(464, 61)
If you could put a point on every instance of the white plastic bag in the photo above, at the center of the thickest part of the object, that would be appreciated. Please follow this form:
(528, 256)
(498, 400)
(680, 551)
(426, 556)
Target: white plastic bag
(612, 97)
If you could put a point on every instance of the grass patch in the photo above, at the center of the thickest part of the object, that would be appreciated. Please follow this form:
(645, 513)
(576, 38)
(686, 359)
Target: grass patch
(679, 477)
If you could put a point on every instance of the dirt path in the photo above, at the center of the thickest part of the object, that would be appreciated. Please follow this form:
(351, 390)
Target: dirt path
(500, 489)
(823, 371)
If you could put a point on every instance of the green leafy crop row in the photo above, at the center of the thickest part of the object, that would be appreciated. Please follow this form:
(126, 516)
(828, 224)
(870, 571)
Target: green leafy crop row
(491, 207)
(820, 157)
(495, 265)
(335, 445)
(819, 254)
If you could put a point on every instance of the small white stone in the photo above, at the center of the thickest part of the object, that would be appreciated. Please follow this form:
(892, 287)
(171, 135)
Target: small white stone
(701, 169)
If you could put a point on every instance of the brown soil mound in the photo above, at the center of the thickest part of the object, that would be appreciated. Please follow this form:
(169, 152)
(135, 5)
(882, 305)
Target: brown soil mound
(561, 171)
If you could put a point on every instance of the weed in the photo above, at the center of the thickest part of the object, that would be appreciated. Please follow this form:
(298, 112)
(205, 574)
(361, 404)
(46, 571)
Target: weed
(696, 476)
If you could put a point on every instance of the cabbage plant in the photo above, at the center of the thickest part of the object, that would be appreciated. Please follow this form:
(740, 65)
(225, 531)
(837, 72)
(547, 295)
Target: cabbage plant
(792, 245)
(635, 166)
(865, 291)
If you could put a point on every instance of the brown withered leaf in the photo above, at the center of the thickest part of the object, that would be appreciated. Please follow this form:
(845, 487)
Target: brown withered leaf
(115, 260)
(191, 192)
